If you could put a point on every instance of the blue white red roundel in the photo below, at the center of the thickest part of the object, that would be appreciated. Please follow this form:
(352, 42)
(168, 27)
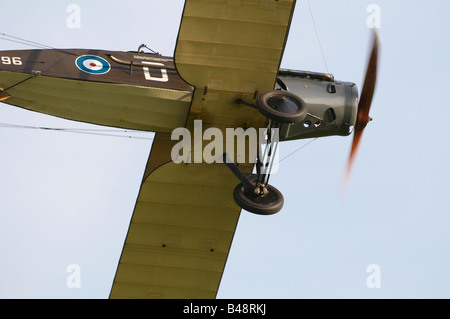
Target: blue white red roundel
(92, 64)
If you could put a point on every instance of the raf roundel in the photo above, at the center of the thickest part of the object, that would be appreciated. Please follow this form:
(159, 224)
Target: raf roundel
(92, 64)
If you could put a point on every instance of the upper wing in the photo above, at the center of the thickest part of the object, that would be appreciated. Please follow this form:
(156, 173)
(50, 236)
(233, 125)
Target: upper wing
(185, 216)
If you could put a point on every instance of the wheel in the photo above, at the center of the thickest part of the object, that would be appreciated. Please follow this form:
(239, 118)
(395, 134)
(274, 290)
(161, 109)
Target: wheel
(282, 106)
(267, 204)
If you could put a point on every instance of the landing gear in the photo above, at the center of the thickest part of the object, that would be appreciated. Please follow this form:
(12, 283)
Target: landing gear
(282, 106)
(261, 200)
(254, 193)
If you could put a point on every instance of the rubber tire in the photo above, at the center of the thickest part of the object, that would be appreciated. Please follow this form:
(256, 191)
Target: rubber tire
(271, 113)
(260, 205)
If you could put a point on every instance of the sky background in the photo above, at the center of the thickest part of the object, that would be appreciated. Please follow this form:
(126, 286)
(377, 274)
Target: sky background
(67, 198)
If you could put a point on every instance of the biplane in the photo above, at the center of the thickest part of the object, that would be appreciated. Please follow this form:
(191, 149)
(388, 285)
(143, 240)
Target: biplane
(225, 73)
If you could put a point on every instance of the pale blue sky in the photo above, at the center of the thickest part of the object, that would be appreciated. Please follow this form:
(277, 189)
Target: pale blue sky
(67, 198)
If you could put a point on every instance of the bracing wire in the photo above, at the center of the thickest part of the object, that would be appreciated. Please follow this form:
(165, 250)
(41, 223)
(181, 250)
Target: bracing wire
(101, 132)
(298, 149)
(11, 38)
(113, 133)
(317, 35)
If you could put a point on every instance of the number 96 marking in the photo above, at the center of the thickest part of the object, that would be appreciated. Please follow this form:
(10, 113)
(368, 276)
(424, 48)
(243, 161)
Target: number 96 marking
(11, 60)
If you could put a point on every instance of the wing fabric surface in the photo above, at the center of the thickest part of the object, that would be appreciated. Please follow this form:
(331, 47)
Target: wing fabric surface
(185, 216)
(180, 232)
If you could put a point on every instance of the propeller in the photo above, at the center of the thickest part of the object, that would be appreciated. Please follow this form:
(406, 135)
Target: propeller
(365, 102)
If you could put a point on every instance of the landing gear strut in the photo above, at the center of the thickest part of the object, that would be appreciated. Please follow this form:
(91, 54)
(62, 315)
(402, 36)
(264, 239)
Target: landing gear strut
(254, 193)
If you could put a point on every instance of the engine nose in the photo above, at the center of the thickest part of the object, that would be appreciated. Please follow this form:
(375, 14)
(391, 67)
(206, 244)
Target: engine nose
(332, 106)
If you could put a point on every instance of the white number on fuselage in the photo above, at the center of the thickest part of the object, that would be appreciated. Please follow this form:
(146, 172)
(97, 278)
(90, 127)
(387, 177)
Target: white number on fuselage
(8, 60)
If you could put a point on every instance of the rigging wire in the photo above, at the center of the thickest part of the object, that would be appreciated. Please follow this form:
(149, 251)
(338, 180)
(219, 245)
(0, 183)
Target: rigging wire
(317, 35)
(23, 41)
(99, 132)
(4, 36)
(11, 38)
(298, 149)
(82, 131)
